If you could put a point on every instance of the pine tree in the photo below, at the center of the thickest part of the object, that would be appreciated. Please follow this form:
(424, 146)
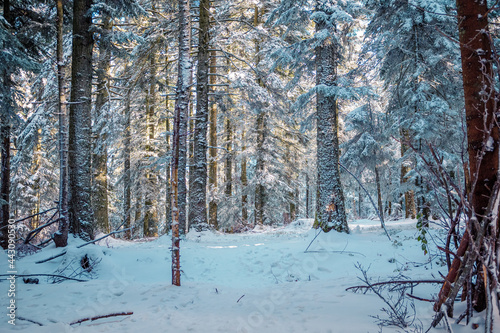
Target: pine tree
(330, 205)
(418, 65)
(18, 53)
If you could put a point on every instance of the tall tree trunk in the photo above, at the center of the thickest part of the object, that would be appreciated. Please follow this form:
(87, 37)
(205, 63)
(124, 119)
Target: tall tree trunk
(5, 163)
(150, 216)
(80, 149)
(179, 139)
(260, 190)
(5, 144)
(127, 179)
(100, 156)
(482, 127)
(198, 171)
(307, 196)
(244, 182)
(477, 78)
(379, 195)
(61, 237)
(483, 150)
(228, 168)
(35, 185)
(168, 199)
(330, 205)
(212, 164)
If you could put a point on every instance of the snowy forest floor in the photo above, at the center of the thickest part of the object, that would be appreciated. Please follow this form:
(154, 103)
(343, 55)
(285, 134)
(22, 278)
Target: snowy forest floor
(259, 281)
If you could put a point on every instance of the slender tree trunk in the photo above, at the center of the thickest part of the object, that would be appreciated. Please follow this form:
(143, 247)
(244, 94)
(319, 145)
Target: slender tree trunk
(168, 190)
(138, 195)
(244, 182)
(5, 143)
(330, 205)
(100, 156)
(35, 185)
(229, 160)
(212, 164)
(150, 216)
(379, 196)
(198, 174)
(127, 179)
(307, 196)
(61, 237)
(80, 171)
(181, 109)
(5, 163)
(260, 190)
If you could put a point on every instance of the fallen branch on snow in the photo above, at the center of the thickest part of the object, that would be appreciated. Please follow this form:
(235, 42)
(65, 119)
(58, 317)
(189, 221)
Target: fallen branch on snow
(51, 275)
(356, 288)
(31, 321)
(101, 317)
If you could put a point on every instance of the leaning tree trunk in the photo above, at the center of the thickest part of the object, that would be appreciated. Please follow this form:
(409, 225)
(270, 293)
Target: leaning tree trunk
(80, 171)
(330, 205)
(179, 138)
(198, 171)
(61, 237)
(481, 236)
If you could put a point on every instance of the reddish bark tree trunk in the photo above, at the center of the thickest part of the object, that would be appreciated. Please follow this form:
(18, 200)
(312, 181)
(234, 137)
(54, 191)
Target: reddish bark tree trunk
(482, 137)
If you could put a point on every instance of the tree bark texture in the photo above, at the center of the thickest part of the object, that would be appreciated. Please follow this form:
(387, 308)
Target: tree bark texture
(168, 191)
(61, 237)
(483, 141)
(5, 130)
(127, 179)
(80, 171)
(330, 204)
(198, 171)
(244, 183)
(479, 96)
(150, 223)
(179, 138)
(212, 164)
(228, 167)
(260, 190)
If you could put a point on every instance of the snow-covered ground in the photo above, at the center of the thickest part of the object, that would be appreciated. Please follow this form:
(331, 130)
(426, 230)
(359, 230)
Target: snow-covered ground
(260, 281)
